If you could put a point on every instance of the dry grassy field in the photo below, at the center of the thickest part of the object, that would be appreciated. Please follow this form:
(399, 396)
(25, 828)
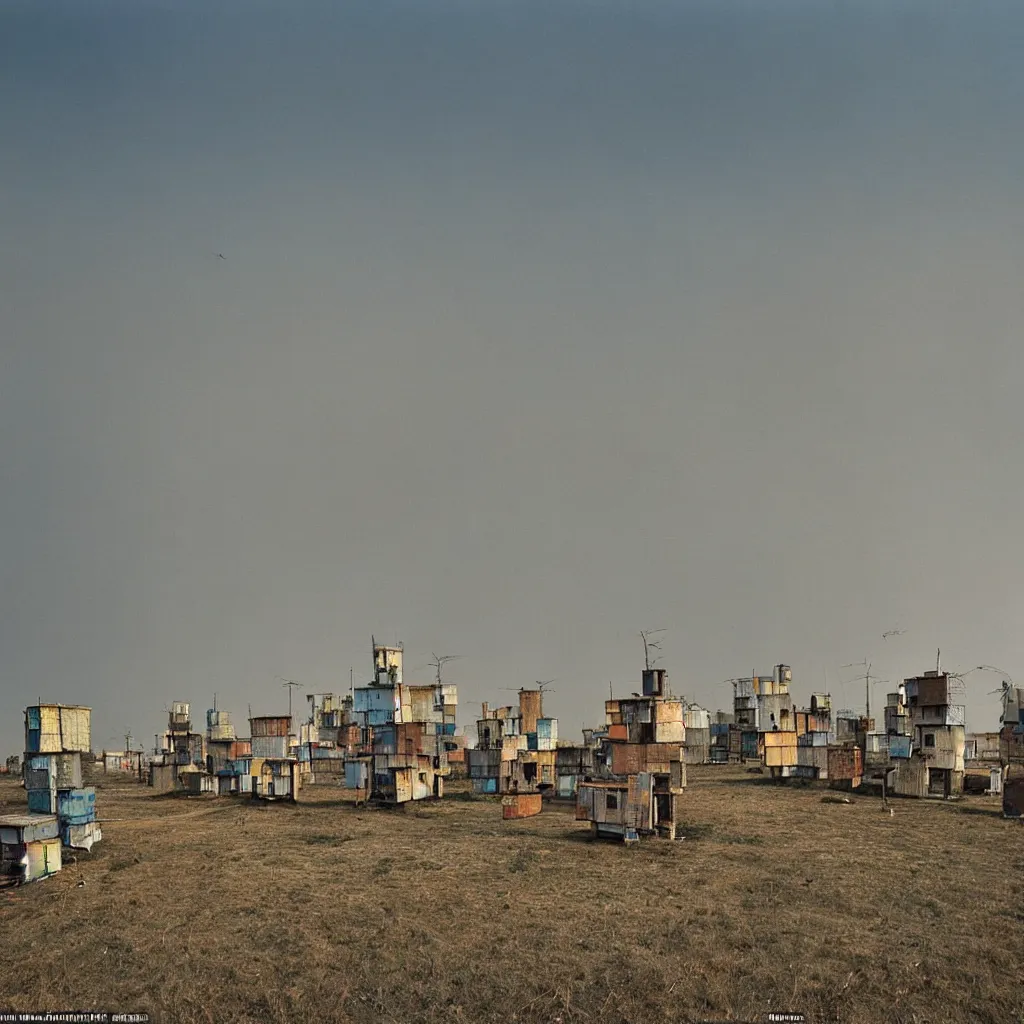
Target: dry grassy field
(217, 910)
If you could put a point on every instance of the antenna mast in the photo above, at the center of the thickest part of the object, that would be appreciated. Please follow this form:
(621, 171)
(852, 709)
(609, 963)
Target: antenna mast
(291, 684)
(649, 645)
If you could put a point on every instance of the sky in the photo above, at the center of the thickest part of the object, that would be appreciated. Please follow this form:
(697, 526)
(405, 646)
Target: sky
(539, 324)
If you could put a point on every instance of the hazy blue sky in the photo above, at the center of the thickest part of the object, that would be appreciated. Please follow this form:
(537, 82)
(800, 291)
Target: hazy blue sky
(540, 323)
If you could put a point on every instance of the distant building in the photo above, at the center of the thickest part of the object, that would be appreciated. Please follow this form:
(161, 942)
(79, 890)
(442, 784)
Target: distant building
(405, 733)
(925, 738)
(640, 769)
(516, 748)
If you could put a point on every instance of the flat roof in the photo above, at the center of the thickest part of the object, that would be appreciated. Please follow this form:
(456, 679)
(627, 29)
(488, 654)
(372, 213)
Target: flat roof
(25, 820)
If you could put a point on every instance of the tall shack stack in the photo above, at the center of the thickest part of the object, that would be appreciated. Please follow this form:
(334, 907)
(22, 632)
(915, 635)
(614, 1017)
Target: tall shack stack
(719, 730)
(326, 739)
(698, 734)
(516, 749)
(56, 736)
(270, 772)
(641, 770)
(61, 811)
(405, 732)
(764, 721)
(1011, 751)
(181, 745)
(220, 740)
(572, 765)
(924, 738)
(182, 751)
(813, 735)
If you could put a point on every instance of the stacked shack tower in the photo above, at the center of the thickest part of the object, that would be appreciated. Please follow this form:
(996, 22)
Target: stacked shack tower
(272, 772)
(641, 765)
(925, 737)
(405, 734)
(56, 736)
(516, 747)
(1011, 750)
(61, 810)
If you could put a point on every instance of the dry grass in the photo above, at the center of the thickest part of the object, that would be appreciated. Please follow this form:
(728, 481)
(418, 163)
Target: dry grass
(216, 910)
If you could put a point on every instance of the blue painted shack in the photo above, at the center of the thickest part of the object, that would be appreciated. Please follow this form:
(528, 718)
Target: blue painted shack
(76, 806)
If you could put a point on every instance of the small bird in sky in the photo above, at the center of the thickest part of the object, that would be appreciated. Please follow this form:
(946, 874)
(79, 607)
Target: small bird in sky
(893, 632)
(221, 256)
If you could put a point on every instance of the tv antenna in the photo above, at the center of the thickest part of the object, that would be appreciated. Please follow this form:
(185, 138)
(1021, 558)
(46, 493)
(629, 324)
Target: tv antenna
(650, 645)
(291, 684)
(438, 663)
(868, 680)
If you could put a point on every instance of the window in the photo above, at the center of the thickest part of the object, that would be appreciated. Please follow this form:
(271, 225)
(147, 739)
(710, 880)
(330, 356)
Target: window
(929, 739)
(612, 802)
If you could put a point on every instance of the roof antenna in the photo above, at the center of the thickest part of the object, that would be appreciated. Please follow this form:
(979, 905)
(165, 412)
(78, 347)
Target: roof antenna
(938, 655)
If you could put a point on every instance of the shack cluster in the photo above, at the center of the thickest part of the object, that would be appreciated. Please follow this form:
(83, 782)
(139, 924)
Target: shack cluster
(388, 741)
(391, 742)
(61, 811)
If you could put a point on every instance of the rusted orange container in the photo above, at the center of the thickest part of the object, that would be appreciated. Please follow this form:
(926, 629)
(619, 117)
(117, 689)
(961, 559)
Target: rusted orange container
(520, 805)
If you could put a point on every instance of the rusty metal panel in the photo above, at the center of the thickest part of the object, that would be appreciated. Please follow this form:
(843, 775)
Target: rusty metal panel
(511, 745)
(845, 763)
(521, 805)
(932, 691)
(529, 709)
(403, 784)
(638, 802)
(270, 725)
(630, 758)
